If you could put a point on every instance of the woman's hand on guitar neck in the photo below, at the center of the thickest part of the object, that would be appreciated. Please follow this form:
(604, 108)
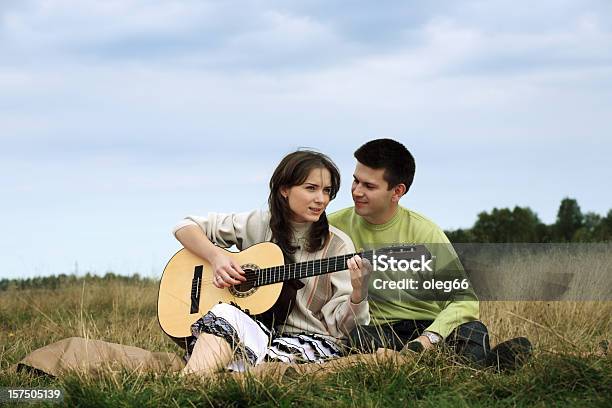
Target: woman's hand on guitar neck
(226, 272)
(360, 270)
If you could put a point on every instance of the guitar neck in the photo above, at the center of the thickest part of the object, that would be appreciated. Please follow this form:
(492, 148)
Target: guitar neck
(300, 270)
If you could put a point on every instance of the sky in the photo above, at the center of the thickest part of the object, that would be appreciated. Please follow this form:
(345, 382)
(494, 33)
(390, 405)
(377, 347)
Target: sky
(119, 118)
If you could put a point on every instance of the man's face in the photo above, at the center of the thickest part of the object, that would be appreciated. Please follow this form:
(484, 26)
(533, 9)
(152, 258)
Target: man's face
(373, 200)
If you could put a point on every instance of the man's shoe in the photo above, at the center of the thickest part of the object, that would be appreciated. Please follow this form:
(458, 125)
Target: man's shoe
(510, 354)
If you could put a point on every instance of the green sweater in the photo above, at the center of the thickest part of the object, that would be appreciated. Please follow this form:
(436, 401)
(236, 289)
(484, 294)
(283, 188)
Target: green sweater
(447, 309)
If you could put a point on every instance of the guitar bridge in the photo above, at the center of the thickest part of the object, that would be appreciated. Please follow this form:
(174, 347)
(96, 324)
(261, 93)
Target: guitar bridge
(196, 288)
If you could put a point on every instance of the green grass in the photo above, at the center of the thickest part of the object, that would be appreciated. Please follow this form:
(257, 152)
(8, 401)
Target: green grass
(565, 370)
(558, 380)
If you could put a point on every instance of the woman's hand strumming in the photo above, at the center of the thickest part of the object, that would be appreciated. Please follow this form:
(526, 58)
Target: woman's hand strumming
(226, 272)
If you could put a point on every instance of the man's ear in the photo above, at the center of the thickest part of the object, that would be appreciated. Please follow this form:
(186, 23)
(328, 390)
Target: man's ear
(398, 192)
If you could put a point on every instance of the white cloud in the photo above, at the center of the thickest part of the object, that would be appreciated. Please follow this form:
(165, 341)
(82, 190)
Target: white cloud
(63, 22)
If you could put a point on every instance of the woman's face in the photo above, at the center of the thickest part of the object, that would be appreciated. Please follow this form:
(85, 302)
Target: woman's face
(308, 200)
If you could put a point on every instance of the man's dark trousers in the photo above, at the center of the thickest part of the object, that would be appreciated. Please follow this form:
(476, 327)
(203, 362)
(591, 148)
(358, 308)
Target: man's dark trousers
(469, 340)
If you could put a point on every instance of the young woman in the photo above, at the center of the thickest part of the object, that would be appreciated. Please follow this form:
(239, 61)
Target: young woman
(325, 309)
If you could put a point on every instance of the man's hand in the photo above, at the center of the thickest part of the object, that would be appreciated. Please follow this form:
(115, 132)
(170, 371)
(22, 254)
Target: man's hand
(360, 270)
(424, 340)
(418, 345)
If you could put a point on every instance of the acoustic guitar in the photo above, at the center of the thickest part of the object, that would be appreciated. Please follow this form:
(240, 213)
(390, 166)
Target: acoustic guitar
(186, 290)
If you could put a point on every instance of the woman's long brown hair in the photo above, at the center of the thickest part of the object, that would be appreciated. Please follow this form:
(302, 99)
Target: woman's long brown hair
(293, 170)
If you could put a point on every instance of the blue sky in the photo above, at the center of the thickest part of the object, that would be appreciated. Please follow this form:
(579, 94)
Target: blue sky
(118, 118)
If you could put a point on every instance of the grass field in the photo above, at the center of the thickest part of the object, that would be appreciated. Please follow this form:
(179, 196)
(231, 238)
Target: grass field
(568, 368)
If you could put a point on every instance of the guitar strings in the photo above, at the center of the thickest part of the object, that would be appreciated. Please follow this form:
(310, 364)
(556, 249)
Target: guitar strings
(280, 273)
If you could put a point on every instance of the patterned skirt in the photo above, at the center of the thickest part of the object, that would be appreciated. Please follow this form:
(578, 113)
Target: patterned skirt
(254, 343)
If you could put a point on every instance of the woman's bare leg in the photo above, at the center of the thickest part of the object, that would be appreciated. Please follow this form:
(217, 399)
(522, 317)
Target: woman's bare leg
(210, 354)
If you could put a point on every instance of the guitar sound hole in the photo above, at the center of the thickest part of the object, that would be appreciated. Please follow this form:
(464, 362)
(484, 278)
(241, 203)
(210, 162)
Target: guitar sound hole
(246, 288)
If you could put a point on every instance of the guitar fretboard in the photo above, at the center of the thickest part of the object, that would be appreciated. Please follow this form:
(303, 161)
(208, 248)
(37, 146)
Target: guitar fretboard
(306, 269)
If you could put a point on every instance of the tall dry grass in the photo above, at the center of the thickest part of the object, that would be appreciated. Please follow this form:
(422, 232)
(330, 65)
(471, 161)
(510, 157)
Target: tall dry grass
(118, 312)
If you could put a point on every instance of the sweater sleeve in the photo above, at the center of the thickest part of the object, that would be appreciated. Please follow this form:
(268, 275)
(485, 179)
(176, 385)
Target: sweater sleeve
(340, 313)
(462, 305)
(225, 230)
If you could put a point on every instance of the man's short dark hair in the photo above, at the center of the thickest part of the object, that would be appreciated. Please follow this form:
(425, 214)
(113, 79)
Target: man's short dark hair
(390, 155)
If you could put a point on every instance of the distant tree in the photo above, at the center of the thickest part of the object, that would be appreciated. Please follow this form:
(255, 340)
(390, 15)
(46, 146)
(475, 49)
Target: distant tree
(460, 235)
(603, 232)
(488, 227)
(503, 225)
(544, 233)
(569, 220)
(524, 225)
(109, 276)
(590, 230)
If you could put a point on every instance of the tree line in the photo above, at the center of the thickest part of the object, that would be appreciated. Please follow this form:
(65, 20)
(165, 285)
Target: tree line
(521, 224)
(62, 280)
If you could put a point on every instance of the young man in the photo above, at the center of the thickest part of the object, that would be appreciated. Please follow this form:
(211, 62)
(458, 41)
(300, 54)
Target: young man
(414, 318)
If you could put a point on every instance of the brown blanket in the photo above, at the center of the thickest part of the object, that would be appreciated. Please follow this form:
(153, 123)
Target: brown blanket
(95, 356)
(85, 355)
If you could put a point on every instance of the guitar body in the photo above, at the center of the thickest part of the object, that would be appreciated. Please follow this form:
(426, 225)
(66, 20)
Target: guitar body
(186, 291)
